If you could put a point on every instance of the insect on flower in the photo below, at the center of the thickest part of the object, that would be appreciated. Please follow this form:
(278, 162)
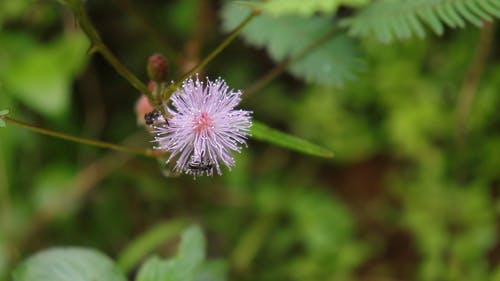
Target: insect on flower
(151, 117)
(198, 167)
(204, 128)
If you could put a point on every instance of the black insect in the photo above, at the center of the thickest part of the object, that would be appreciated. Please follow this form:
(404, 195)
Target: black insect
(200, 166)
(151, 117)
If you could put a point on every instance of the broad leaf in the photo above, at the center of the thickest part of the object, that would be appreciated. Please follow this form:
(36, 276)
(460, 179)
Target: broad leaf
(41, 76)
(155, 269)
(148, 241)
(185, 266)
(72, 263)
(308, 7)
(330, 63)
(216, 270)
(190, 255)
(265, 133)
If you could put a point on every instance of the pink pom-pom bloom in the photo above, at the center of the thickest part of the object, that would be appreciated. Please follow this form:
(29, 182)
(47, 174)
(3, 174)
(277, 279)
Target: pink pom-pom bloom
(203, 128)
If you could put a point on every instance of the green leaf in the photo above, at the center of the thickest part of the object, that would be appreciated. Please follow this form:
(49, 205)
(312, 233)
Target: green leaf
(149, 241)
(216, 270)
(330, 63)
(72, 263)
(191, 253)
(155, 269)
(42, 75)
(265, 133)
(389, 20)
(306, 8)
(185, 266)
(2, 113)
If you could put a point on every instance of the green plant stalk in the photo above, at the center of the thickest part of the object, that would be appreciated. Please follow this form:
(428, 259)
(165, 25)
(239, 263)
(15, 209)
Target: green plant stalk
(133, 150)
(99, 46)
(211, 56)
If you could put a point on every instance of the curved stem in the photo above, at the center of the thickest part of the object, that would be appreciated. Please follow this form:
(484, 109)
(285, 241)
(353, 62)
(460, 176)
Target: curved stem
(99, 46)
(212, 55)
(133, 150)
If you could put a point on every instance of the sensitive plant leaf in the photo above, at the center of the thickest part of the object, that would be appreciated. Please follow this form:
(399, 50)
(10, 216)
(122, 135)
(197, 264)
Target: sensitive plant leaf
(265, 133)
(72, 263)
(389, 20)
(148, 241)
(306, 8)
(330, 63)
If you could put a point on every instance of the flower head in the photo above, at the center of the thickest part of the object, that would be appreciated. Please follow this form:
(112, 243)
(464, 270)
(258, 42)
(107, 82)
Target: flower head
(203, 128)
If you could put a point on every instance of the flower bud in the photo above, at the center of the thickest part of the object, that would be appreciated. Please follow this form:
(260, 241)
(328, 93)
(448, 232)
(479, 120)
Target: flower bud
(157, 68)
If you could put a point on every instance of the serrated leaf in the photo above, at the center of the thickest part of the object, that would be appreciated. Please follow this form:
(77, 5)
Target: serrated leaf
(306, 8)
(265, 133)
(72, 263)
(330, 63)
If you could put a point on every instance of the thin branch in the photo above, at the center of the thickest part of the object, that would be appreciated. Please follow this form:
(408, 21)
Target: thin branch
(99, 46)
(193, 46)
(472, 78)
(468, 92)
(134, 150)
(212, 55)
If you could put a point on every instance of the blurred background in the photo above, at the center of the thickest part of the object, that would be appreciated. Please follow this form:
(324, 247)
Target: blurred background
(413, 192)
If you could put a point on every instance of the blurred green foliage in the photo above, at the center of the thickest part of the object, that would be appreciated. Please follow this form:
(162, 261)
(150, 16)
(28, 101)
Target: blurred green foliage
(412, 193)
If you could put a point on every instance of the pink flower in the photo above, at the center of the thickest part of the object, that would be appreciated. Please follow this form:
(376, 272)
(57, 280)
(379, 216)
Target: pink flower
(203, 128)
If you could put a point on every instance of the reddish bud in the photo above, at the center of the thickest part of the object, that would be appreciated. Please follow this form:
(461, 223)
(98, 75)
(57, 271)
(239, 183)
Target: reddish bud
(157, 68)
(151, 86)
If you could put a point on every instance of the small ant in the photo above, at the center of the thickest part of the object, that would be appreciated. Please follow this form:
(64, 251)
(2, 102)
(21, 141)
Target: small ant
(151, 117)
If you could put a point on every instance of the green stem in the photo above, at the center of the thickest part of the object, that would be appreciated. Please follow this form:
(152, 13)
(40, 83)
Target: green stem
(99, 46)
(211, 56)
(133, 150)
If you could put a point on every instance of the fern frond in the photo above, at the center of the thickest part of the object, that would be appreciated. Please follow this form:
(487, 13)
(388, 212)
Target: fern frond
(306, 8)
(402, 19)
